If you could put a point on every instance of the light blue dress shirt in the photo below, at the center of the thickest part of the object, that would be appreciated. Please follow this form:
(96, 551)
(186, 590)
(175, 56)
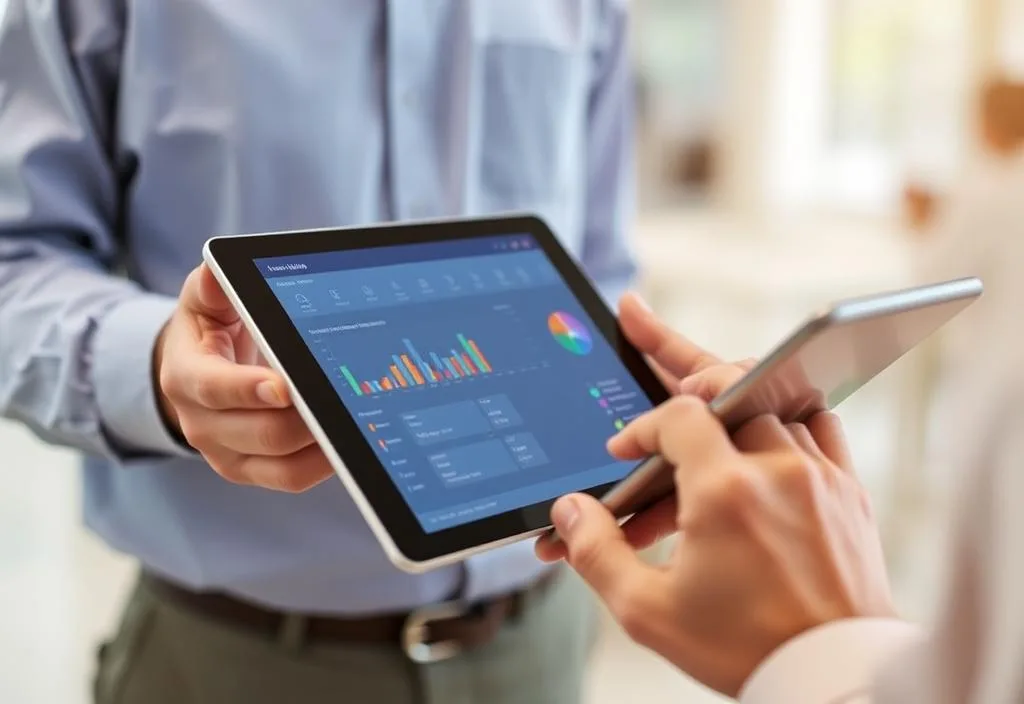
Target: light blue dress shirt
(130, 131)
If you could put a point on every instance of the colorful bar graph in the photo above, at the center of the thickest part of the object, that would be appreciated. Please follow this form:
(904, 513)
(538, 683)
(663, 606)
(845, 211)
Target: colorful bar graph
(402, 371)
(471, 348)
(457, 363)
(437, 363)
(479, 356)
(415, 354)
(417, 378)
(410, 369)
(395, 372)
(351, 380)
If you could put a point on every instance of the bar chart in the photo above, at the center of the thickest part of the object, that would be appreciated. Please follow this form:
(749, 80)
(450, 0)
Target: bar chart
(409, 368)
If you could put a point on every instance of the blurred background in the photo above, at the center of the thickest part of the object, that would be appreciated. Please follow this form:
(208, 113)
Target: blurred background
(791, 152)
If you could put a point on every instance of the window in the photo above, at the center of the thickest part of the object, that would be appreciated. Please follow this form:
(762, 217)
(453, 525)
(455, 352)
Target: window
(678, 49)
(897, 73)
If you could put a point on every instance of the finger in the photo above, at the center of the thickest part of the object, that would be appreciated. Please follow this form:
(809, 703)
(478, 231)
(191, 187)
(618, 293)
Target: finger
(202, 295)
(802, 436)
(648, 527)
(297, 472)
(550, 548)
(213, 382)
(683, 431)
(709, 383)
(827, 430)
(765, 433)
(641, 531)
(275, 433)
(598, 551)
(637, 439)
(627, 444)
(673, 352)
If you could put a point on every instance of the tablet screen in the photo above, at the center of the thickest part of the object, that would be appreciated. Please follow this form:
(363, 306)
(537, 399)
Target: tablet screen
(470, 367)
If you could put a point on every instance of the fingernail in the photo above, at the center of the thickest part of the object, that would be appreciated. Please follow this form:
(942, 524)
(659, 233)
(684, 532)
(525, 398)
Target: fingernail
(564, 514)
(267, 392)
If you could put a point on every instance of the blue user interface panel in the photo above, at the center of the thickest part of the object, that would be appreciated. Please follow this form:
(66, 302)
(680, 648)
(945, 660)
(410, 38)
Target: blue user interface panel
(470, 367)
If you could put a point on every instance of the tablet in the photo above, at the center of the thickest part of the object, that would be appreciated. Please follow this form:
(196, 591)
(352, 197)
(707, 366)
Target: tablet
(824, 361)
(459, 375)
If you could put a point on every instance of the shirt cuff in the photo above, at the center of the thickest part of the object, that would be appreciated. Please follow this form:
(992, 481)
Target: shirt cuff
(123, 378)
(837, 662)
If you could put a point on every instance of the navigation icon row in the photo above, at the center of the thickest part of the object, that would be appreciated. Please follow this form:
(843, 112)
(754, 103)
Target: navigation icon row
(368, 288)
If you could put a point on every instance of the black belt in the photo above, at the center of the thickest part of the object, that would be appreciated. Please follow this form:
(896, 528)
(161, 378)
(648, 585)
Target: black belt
(429, 634)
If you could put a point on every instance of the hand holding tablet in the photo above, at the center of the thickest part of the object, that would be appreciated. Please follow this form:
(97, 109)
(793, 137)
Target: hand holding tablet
(214, 392)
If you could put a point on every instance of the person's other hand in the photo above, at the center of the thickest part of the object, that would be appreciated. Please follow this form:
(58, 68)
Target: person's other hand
(682, 366)
(685, 369)
(776, 538)
(229, 406)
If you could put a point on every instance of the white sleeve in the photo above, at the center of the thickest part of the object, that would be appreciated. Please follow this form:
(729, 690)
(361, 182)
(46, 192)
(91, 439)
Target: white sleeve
(975, 651)
(832, 664)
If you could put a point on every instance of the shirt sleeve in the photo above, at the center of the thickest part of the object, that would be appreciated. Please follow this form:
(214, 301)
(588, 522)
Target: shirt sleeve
(833, 664)
(974, 652)
(608, 255)
(75, 339)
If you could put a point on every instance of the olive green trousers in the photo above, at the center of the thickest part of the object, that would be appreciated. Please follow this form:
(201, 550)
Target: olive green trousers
(163, 654)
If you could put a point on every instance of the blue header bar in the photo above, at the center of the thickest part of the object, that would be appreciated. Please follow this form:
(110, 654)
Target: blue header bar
(310, 295)
(319, 262)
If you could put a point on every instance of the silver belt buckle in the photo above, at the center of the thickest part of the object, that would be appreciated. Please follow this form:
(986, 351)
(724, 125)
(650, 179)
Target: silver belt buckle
(415, 632)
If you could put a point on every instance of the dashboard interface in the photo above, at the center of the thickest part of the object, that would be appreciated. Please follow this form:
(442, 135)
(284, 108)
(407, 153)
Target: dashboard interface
(471, 369)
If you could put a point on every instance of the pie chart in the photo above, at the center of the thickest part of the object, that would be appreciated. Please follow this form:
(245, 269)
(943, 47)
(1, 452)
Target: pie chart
(570, 333)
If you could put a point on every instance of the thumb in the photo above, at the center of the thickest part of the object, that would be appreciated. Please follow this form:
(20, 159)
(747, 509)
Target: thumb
(202, 294)
(597, 547)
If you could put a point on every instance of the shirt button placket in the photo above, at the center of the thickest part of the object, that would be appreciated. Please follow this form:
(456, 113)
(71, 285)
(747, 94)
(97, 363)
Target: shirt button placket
(412, 58)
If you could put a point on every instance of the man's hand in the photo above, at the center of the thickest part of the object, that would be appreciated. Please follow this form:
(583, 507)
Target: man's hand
(231, 408)
(777, 537)
(685, 369)
(673, 357)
